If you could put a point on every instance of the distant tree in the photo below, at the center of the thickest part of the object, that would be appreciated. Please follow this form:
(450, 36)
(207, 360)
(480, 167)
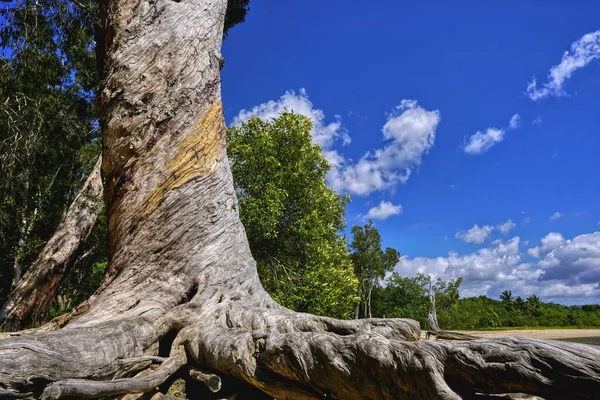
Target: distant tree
(446, 292)
(533, 302)
(293, 220)
(519, 303)
(507, 299)
(371, 263)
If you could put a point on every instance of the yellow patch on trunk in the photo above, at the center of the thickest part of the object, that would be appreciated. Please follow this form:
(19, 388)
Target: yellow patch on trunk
(197, 155)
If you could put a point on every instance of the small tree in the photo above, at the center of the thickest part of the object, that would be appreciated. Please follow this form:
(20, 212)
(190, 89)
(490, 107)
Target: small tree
(371, 263)
(507, 299)
(294, 222)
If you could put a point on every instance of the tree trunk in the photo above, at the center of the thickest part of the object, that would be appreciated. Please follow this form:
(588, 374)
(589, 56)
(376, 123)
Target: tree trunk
(24, 232)
(29, 302)
(182, 287)
(371, 285)
(434, 327)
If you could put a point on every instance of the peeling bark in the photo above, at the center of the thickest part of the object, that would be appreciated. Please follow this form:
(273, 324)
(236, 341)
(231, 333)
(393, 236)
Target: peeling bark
(29, 301)
(182, 285)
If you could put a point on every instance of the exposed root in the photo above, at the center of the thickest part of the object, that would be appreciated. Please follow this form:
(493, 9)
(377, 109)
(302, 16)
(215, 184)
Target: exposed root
(297, 356)
(129, 361)
(212, 381)
(84, 388)
(14, 394)
(450, 335)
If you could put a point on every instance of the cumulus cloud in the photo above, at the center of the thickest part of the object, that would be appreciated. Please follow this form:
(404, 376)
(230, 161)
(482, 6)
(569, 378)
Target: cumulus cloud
(476, 234)
(506, 227)
(575, 261)
(583, 51)
(410, 131)
(500, 262)
(569, 271)
(383, 210)
(555, 216)
(481, 142)
(324, 134)
(550, 242)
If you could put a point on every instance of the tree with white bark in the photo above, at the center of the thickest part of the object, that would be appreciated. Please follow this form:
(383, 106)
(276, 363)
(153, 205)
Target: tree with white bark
(371, 263)
(181, 290)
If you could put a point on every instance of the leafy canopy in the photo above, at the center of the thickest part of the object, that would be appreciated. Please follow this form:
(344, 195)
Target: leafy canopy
(294, 222)
(370, 261)
(48, 134)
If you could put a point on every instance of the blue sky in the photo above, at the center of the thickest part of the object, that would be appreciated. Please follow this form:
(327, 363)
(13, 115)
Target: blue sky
(429, 113)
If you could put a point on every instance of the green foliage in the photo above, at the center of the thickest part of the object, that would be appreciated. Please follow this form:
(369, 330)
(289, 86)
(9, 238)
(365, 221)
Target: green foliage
(370, 261)
(407, 298)
(293, 221)
(47, 120)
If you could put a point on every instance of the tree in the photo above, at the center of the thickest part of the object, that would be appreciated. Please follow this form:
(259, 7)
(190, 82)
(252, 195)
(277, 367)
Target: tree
(48, 141)
(293, 221)
(507, 299)
(181, 287)
(29, 301)
(47, 129)
(371, 263)
(402, 297)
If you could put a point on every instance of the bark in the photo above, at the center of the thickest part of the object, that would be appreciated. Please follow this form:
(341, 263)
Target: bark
(29, 301)
(182, 284)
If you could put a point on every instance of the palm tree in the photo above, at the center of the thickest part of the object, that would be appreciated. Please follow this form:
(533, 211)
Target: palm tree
(507, 298)
(533, 302)
(519, 303)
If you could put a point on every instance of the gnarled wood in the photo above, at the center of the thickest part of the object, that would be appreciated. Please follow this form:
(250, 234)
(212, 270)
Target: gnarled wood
(181, 272)
(434, 327)
(29, 302)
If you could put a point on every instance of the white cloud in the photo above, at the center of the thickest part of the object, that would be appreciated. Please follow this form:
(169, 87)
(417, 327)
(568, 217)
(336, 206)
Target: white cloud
(410, 130)
(569, 272)
(515, 121)
(575, 261)
(481, 142)
(583, 51)
(526, 220)
(324, 134)
(549, 242)
(497, 263)
(555, 216)
(506, 227)
(476, 234)
(537, 120)
(383, 210)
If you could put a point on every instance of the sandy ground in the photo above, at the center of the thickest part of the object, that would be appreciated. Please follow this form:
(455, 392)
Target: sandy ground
(536, 334)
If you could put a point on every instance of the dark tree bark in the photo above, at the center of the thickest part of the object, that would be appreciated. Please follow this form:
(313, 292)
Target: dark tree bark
(29, 302)
(182, 288)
